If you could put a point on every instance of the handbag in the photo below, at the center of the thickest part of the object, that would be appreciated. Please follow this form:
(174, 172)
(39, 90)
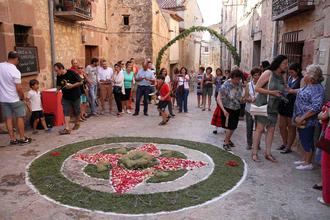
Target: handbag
(323, 144)
(261, 110)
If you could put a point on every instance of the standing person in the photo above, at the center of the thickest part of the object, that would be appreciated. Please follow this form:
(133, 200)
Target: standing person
(128, 85)
(199, 87)
(164, 98)
(207, 88)
(227, 74)
(84, 93)
(218, 82)
(270, 87)
(163, 72)
(92, 76)
(69, 82)
(307, 106)
(134, 89)
(118, 87)
(74, 65)
(264, 65)
(250, 97)
(287, 129)
(105, 74)
(144, 78)
(324, 116)
(11, 98)
(229, 100)
(183, 95)
(34, 99)
(175, 86)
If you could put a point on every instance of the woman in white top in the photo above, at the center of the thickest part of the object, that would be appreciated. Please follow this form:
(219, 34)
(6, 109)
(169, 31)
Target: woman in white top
(250, 97)
(118, 88)
(184, 82)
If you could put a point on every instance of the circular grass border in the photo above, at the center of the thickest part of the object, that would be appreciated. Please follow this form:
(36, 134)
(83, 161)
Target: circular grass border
(44, 177)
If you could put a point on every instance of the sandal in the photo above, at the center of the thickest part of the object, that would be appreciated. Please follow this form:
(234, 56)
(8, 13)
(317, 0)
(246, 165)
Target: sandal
(26, 140)
(162, 123)
(286, 151)
(64, 132)
(231, 144)
(255, 158)
(76, 127)
(282, 147)
(14, 142)
(317, 187)
(271, 158)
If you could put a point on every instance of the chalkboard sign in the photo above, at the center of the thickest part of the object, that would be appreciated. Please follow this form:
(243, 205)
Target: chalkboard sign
(28, 60)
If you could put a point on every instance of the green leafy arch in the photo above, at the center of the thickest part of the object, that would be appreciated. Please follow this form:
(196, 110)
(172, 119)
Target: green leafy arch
(187, 32)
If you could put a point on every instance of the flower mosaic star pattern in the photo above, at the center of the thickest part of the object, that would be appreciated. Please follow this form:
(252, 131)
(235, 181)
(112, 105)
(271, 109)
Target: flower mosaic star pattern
(123, 179)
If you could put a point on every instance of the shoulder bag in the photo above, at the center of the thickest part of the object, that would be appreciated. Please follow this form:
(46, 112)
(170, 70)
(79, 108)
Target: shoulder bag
(261, 110)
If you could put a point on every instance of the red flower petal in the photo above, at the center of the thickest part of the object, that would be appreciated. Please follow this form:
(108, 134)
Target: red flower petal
(55, 154)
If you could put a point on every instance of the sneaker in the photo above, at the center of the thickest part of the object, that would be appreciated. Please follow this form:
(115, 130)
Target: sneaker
(282, 147)
(226, 147)
(249, 148)
(135, 114)
(14, 142)
(48, 130)
(215, 132)
(129, 112)
(146, 114)
(26, 140)
(305, 167)
(321, 200)
(299, 162)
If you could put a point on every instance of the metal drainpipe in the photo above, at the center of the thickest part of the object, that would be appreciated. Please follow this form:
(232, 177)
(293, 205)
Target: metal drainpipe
(52, 38)
(275, 38)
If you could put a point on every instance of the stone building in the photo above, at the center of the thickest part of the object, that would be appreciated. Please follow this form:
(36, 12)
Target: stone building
(114, 30)
(190, 47)
(262, 29)
(211, 49)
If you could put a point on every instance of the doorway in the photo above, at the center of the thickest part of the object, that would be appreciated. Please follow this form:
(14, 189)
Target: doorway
(91, 52)
(256, 53)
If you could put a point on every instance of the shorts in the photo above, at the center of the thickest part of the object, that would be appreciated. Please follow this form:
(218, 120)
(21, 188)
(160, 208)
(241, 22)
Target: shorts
(37, 115)
(71, 106)
(127, 95)
(306, 137)
(233, 119)
(207, 91)
(83, 99)
(162, 105)
(15, 109)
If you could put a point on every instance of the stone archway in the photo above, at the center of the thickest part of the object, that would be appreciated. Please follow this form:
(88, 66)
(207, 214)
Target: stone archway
(187, 32)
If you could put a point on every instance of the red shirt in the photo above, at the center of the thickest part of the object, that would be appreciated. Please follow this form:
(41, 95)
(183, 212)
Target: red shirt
(164, 90)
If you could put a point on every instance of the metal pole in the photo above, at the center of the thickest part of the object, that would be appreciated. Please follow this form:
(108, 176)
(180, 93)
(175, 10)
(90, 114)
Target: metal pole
(52, 38)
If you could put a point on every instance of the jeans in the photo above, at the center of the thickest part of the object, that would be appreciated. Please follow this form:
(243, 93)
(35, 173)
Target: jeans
(249, 128)
(306, 136)
(183, 101)
(92, 98)
(142, 91)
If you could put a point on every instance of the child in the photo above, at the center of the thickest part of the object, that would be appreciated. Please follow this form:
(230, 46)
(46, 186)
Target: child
(164, 98)
(199, 79)
(34, 99)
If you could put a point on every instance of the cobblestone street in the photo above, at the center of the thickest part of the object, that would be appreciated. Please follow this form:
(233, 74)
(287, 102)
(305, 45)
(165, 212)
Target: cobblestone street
(270, 191)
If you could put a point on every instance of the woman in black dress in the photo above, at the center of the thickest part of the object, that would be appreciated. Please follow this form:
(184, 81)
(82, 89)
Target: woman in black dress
(287, 129)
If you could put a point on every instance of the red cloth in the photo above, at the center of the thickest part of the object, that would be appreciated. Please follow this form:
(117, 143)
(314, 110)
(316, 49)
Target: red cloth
(216, 119)
(325, 166)
(164, 90)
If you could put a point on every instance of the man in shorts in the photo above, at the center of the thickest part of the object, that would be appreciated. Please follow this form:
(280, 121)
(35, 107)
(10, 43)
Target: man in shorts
(11, 98)
(69, 82)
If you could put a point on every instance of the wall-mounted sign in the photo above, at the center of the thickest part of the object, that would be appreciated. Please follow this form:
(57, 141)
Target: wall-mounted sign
(28, 64)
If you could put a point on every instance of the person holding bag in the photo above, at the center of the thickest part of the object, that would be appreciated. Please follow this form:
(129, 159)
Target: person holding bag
(270, 87)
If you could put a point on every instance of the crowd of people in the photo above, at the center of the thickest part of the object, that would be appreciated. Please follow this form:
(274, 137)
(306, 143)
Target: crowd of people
(295, 101)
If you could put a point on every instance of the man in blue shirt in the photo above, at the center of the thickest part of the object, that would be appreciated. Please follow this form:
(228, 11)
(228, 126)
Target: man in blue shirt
(144, 78)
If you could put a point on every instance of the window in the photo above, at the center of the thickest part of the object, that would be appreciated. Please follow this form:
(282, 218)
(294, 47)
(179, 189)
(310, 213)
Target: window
(292, 47)
(206, 49)
(22, 36)
(126, 20)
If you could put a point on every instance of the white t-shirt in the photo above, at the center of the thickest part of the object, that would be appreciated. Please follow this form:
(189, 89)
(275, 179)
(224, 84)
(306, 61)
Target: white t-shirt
(9, 77)
(92, 73)
(35, 100)
(105, 74)
(186, 81)
(167, 79)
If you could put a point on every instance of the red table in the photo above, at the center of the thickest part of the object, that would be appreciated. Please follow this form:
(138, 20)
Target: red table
(52, 104)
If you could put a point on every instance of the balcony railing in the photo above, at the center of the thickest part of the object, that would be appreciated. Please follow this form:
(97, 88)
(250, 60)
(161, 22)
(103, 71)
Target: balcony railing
(286, 8)
(74, 10)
